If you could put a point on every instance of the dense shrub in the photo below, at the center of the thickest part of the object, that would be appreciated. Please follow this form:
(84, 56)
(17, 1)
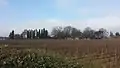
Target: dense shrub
(12, 58)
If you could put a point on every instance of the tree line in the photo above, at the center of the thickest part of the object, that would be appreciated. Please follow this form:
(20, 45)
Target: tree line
(34, 34)
(71, 32)
(67, 32)
(30, 34)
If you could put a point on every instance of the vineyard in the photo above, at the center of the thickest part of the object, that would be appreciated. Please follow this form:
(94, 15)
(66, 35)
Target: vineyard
(60, 53)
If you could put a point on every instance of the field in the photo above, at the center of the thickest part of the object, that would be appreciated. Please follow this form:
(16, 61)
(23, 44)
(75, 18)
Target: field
(103, 53)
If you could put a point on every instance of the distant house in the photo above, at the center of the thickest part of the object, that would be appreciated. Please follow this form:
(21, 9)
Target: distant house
(3, 38)
(17, 36)
(98, 35)
(69, 38)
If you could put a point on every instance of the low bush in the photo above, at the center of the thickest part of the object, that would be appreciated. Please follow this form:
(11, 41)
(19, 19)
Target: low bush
(13, 58)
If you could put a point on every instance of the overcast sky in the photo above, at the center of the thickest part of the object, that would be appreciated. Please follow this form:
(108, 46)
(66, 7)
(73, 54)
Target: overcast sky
(23, 14)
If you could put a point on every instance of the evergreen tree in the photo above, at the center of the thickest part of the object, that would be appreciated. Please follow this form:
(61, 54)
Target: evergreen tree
(28, 35)
(11, 35)
(34, 34)
(117, 34)
(46, 33)
(43, 33)
(39, 34)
